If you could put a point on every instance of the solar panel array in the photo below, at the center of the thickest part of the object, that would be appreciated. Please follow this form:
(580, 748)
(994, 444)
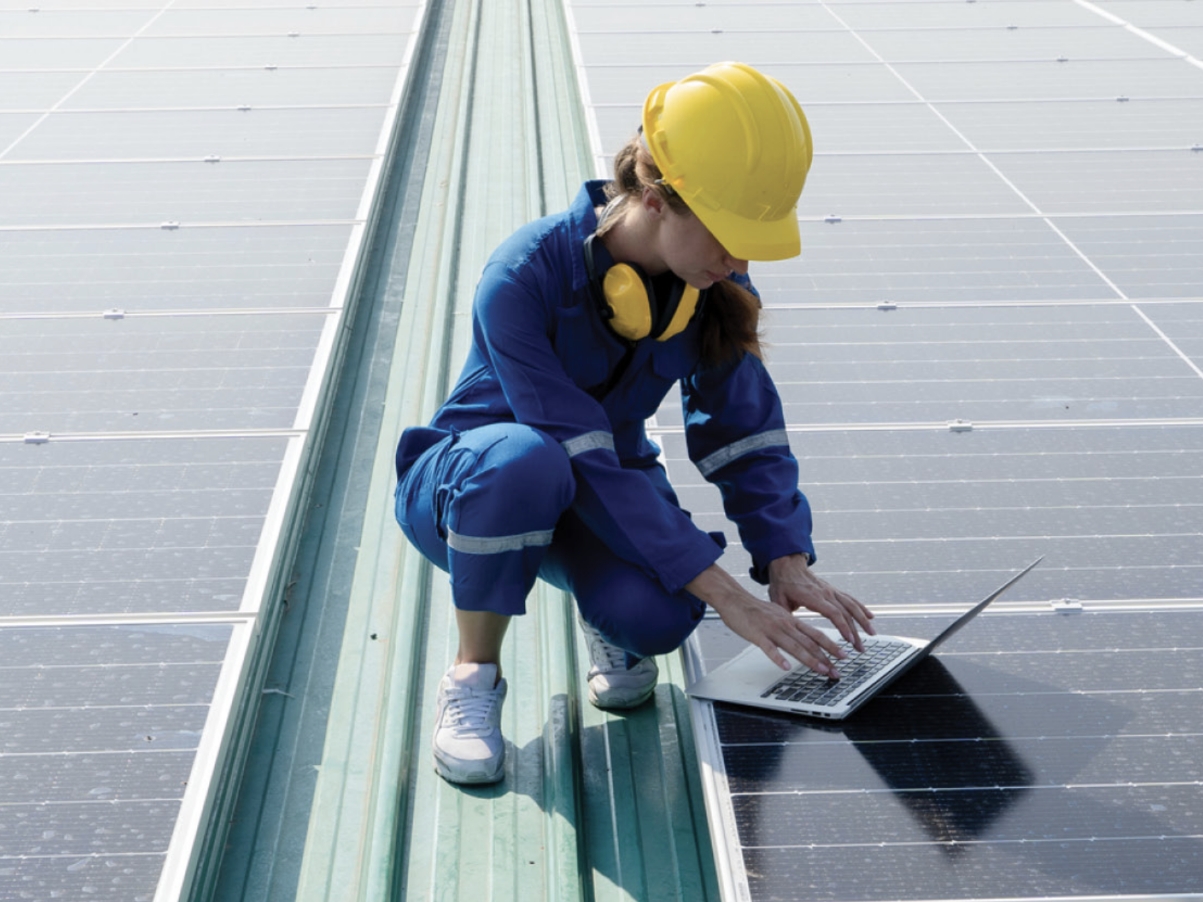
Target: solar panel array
(184, 190)
(991, 348)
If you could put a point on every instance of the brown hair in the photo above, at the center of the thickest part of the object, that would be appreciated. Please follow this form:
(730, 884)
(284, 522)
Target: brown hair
(731, 313)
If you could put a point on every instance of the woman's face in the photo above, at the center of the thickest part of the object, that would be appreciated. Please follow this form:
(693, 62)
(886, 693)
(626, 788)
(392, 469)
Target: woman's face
(690, 251)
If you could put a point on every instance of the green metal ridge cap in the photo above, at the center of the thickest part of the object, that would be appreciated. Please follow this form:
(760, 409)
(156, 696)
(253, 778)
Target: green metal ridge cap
(349, 850)
(594, 805)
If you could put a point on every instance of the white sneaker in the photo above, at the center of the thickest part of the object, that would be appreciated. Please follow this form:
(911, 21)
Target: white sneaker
(611, 683)
(468, 745)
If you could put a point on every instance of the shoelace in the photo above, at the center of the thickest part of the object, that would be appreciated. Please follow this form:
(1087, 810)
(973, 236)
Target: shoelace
(469, 712)
(605, 657)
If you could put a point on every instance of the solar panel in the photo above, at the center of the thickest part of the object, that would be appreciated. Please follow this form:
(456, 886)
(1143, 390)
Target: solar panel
(186, 192)
(989, 349)
(101, 726)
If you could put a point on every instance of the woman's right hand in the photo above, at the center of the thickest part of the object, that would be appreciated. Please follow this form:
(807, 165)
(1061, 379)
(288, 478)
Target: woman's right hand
(767, 626)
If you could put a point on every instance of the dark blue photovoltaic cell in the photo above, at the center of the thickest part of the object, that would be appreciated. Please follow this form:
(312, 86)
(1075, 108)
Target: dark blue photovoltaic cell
(184, 187)
(1105, 181)
(1023, 735)
(1044, 80)
(232, 88)
(308, 20)
(121, 527)
(629, 19)
(1076, 124)
(1145, 257)
(824, 44)
(942, 14)
(187, 193)
(44, 54)
(32, 90)
(99, 726)
(1155, 13)
(914, 186)
(1010, 44)
(916, 517)
(141, 270)
(151, 373)
(259, 51)
(941, 261)
(228, 133)
(1001, 227)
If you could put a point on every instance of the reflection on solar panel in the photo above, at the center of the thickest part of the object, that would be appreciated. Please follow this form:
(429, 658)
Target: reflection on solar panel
(991, 348)
(185, 193)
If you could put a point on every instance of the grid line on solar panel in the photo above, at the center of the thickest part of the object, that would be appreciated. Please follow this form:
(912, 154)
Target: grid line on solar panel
(231, 88)
(93, 375)
(231, 268)
(95, 767)
(839, 45)
(95, 528)
(190, 134)
(979, 752)
(1116, 507)
(135, 193)
(935, 260)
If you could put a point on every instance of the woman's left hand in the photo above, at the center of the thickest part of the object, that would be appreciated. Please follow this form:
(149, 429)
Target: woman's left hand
(793, 585)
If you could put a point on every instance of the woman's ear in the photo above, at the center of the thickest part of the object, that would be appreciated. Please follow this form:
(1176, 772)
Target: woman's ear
(652, 201)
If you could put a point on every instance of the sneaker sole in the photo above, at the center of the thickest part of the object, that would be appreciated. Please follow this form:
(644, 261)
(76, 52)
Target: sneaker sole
(620, 703)
(454, 775)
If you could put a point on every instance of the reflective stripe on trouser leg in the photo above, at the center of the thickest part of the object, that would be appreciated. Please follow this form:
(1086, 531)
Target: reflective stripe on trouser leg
(483, 505)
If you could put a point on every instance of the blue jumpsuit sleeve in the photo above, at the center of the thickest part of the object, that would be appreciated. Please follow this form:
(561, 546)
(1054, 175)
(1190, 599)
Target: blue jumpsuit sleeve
(513, 323)
(735, 431)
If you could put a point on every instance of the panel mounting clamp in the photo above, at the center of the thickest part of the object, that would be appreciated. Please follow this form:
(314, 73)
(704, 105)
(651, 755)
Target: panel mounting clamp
(959, 425)
(1068, 606)
(114, 313)
(832, 217)
(37, 438)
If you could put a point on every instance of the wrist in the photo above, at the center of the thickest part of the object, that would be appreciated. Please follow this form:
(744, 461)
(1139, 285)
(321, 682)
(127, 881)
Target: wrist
(787, 562)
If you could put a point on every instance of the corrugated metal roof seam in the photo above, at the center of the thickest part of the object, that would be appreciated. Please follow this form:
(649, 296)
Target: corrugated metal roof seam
(594, 806)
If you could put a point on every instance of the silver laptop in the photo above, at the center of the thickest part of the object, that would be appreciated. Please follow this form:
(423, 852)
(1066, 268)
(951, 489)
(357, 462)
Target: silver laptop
(750, 678)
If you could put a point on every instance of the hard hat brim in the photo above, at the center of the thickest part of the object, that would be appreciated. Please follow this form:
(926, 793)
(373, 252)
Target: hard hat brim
(752, 239)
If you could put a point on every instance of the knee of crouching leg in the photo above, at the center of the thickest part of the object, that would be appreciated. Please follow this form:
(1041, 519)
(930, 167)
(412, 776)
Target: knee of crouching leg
(533, 461)
(648, 624)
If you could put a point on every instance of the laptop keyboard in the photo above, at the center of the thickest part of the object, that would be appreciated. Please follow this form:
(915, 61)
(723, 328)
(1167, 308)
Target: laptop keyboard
(806, 686)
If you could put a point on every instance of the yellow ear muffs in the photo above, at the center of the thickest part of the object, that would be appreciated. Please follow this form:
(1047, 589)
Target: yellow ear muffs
(626, 293)
(628, 302)
(630, 297)
(686, 306)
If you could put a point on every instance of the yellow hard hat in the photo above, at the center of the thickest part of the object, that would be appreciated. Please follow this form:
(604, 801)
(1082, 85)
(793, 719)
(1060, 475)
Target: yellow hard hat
(734, 143)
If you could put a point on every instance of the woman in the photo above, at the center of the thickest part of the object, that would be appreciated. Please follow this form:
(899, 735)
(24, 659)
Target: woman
(538, 463)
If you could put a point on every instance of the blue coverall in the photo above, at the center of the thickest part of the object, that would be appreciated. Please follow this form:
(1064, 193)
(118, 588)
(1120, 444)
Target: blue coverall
(538, 464)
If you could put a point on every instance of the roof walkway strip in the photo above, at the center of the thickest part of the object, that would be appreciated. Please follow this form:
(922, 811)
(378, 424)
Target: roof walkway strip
(340, 801)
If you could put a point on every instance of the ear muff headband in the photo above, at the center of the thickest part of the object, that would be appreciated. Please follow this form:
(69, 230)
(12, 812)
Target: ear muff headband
(683, 312)
(627, 301)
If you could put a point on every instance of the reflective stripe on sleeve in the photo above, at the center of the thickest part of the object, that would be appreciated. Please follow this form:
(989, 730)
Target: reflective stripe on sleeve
(735, 450)
(497, 544)
(590, 441)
